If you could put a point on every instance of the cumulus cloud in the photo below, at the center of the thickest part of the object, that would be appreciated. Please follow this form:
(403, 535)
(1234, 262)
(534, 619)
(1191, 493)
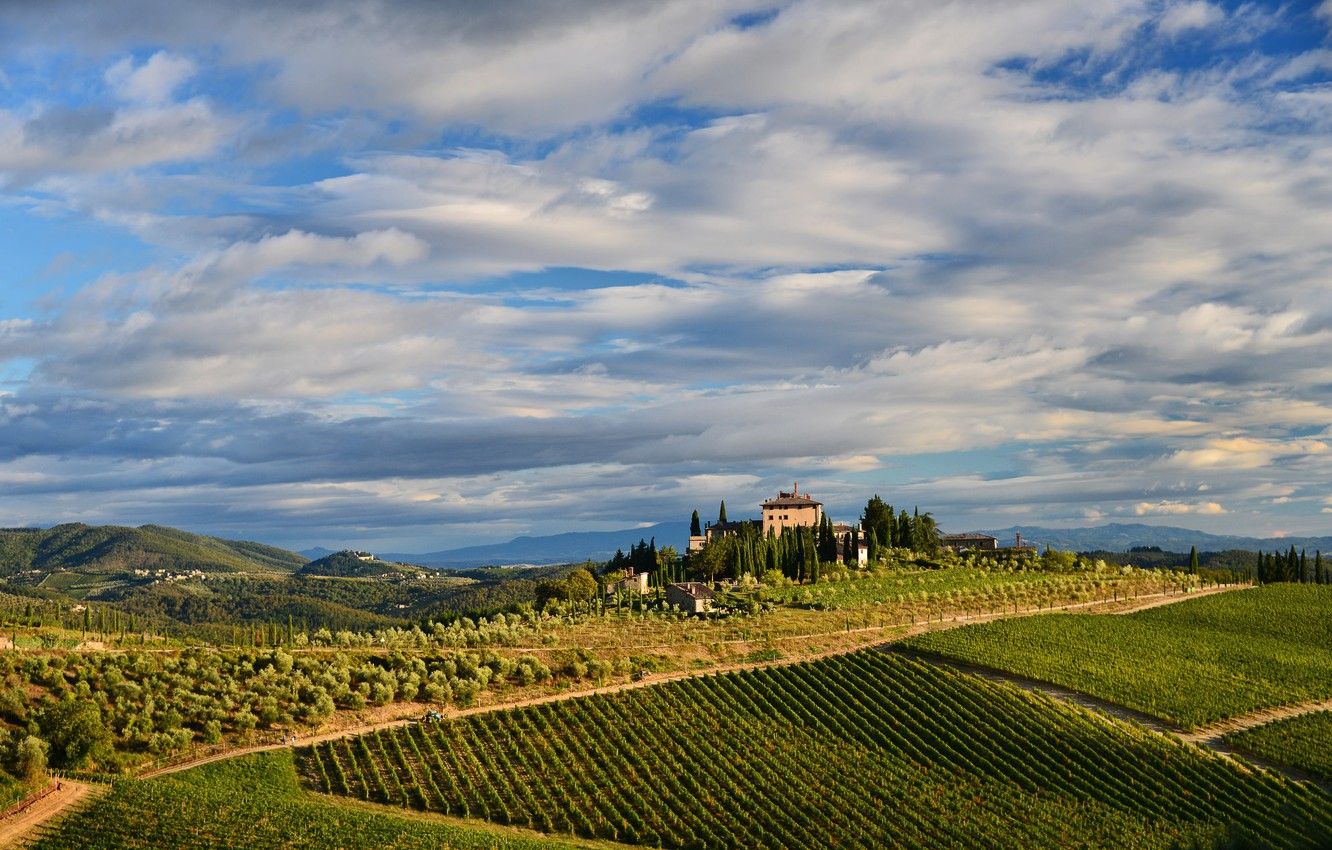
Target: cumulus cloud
(1167, 508)
(152, 82)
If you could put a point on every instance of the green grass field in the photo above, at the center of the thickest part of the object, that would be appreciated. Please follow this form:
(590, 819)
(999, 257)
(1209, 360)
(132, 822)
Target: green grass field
(256, 802)
(1190, 663)
(863, 750)
(1304, 743)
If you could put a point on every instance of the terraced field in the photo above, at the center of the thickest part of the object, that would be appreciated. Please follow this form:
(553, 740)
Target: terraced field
(862, 750)
(1193, 663)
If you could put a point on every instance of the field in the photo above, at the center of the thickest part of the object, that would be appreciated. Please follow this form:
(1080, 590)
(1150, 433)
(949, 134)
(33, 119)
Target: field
(255, 802)
(861, 750)
(982, 589)
(1192, 664)
(1304, 743)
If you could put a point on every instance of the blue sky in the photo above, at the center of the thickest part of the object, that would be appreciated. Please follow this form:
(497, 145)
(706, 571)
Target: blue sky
(409, 276)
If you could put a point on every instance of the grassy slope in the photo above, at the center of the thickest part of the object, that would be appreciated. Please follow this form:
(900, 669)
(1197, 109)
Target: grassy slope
(1304, 743)
(1192, 663)
(253, 802)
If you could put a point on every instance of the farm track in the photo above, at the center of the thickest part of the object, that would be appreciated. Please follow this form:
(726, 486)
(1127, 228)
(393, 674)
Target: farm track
(22, 827)
(17, 829)
(1208, 737)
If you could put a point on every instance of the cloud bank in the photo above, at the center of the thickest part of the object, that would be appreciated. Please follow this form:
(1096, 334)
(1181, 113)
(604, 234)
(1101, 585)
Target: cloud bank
(423, 275)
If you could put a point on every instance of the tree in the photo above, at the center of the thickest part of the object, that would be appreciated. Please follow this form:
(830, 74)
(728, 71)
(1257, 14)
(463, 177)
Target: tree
(695, 529)
(714, 559)
(924, 536)
(878, 519)
(721, 513)
(30, 758)
(582, 587)
(1193, 560)
(75, 731)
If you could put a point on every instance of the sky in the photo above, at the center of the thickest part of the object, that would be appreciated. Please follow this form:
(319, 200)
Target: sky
(413, 276)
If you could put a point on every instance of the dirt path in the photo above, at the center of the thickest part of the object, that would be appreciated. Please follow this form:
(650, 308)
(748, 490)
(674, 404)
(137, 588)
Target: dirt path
(17, 828)
(1213, 733)
(1182, 597)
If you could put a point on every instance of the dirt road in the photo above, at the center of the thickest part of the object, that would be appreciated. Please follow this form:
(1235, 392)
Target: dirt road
(16, 828)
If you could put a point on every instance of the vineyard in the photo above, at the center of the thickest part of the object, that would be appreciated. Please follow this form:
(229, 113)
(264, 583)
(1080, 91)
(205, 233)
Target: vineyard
(255, 803)
(1304, 743)
(861, 750)
(1192, 663)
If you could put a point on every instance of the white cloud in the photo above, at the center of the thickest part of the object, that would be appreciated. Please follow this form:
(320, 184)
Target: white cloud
(1181, 17)
(153, 82)
(1168, 508)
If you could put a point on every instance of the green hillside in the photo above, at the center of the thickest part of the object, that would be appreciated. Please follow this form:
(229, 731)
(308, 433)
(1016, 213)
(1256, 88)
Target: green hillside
(113, 549)
(346, 564)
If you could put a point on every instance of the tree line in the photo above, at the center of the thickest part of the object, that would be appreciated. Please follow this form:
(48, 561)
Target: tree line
(1292, 566)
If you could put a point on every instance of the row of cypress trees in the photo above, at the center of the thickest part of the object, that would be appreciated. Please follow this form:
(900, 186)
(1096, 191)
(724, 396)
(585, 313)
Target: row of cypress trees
(1292, 566)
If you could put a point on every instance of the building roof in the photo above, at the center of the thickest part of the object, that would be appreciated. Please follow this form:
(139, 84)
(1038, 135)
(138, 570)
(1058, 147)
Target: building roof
(968, 536)
(794, 499)
(696, 589)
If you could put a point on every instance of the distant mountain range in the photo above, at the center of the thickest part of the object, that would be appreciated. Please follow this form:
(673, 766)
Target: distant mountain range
(575, 546)
(1119, 537)
(566, 548)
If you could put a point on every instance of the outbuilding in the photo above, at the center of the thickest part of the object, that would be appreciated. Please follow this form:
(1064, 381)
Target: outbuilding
(693, 597)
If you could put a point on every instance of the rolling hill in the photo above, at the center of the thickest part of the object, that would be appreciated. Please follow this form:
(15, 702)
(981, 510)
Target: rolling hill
(111, 548)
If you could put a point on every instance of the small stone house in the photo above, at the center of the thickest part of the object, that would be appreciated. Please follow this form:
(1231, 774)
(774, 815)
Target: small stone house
(693, 597)
(630, 581)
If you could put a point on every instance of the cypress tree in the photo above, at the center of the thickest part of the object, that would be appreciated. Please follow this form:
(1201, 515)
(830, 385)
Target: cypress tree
(1193, 560)
(1304, 576)
(872, 547)
(695, 528)
(721, 514)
